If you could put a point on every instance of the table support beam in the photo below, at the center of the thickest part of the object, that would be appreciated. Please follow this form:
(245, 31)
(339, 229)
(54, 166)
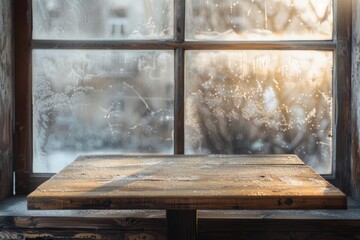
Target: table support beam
(181, 224)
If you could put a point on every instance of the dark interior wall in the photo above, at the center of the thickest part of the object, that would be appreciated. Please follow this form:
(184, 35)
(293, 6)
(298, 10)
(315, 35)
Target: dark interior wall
(6, 97)
(355, 166)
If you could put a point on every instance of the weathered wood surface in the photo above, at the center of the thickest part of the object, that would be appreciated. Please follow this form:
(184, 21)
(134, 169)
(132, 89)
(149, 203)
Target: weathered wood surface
(19, 223)
(16, 222)
(209, 229)
(6, 98)
(187, 183)
(355, 154)
(279, 229)
(342, 88)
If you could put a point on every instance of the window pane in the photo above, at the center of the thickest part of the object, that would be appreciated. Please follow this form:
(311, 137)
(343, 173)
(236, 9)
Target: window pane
(249, 102)
(105, 19)
(259, 19)
(100, 101)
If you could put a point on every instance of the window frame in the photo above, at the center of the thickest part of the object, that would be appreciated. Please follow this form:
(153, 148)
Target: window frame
(26, 181)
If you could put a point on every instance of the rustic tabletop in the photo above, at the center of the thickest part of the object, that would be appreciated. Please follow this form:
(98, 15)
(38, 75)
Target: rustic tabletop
(184, 184)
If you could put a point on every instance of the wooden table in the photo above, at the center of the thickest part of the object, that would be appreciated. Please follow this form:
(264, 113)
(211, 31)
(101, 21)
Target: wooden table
(183, 184)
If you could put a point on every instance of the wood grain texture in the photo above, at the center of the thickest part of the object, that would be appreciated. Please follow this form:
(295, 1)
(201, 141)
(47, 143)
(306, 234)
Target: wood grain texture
(17, 222)
(355, 153)
(209, 229)
(342, 89)
(50, 234)
(187, 183)
(6, 98)
(23, 96)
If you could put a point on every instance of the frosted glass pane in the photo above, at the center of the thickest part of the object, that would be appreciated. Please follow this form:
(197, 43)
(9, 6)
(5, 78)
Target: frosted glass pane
(259, 102)
(105, 19)
(100, 101)
(259, 19)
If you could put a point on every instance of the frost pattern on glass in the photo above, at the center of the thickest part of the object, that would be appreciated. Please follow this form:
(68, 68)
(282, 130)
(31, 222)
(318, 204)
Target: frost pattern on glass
(105, 19)
(260, 102)
(100, 101)
(259, 19)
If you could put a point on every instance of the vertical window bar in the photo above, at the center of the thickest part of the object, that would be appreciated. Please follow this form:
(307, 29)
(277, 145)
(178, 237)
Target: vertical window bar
(179, 24)
(179, 101)
(179, 77)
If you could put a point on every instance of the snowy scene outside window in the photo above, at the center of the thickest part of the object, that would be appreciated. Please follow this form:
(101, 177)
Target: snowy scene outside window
(259, 20)
(119, 100)
(100, 101)
(258, 102)
(105, 19)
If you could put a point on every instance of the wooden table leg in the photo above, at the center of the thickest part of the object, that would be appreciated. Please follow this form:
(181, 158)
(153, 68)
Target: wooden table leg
(181, 224)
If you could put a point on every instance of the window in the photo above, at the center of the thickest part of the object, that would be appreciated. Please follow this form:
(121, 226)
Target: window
(260, 101)
(181, 76)
(101, 100)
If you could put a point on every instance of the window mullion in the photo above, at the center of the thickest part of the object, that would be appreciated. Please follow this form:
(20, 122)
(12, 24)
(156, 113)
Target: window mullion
(179, 101)
(179, 33)
(179, 20)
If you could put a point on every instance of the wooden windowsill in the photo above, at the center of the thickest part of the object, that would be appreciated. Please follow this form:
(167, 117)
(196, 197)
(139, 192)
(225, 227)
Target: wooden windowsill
(16, 222)
(17, 207)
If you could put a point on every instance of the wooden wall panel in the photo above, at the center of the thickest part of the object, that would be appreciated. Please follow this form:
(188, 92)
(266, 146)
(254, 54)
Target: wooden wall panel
(355, 165)
(6, 97)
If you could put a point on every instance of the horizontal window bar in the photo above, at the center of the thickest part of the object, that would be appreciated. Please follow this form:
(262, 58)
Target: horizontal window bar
(261, 45)
(66, 44)
(193, 45)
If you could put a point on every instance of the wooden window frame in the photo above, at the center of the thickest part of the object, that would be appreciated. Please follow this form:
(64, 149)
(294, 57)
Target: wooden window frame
(26, 181)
